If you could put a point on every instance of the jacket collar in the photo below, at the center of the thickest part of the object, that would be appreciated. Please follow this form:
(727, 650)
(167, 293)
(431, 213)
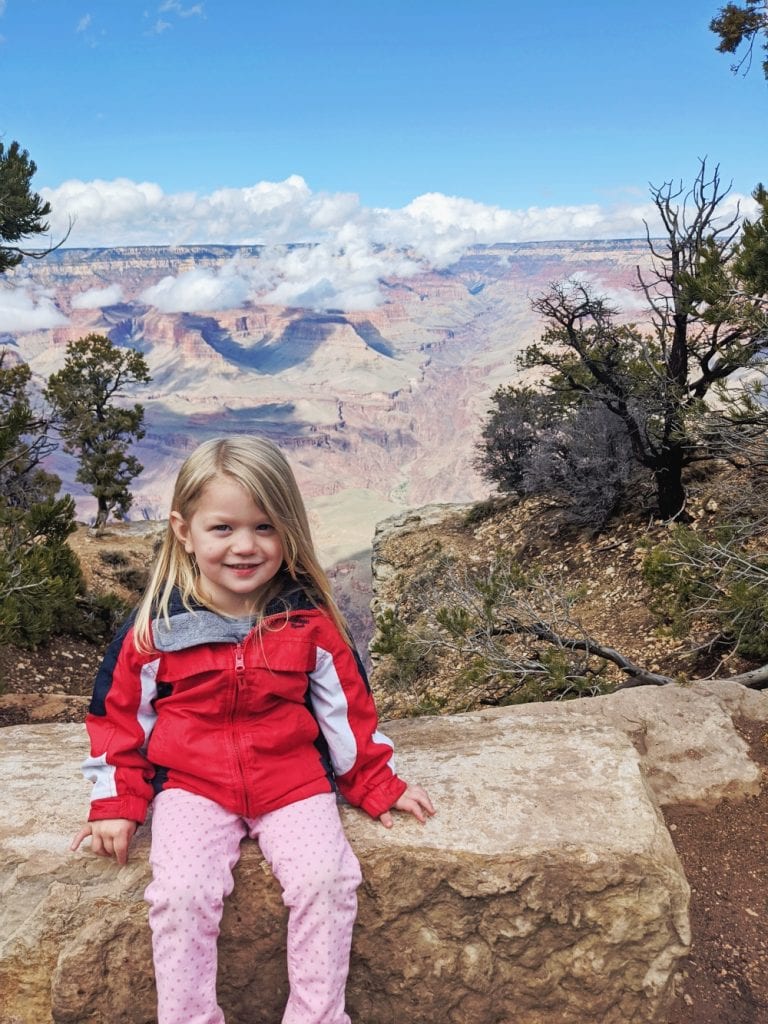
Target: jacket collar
(194, 624)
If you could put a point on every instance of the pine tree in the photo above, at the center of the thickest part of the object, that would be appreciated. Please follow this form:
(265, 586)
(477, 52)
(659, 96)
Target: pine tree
(738, 24)
(22, 211)
(94, 427)
(706, 295)
(40, 577)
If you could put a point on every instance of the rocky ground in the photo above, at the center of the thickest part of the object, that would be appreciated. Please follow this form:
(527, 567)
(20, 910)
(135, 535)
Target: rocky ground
(725, 857)
(724, 851)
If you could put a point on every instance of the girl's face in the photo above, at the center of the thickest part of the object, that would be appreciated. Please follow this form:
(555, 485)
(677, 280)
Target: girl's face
(236, 546)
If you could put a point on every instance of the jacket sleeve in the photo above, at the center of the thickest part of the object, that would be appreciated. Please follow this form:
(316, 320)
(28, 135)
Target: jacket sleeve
(119, 722)
(362, 757)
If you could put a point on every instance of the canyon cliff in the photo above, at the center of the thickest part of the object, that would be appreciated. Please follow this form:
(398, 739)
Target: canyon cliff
(379, 410)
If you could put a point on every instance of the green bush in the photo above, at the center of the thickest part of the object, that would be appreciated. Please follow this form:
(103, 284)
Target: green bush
(40, 576)
(720, 581)
(132, 578)
(403, 660)
(97, 616)
(113, 558)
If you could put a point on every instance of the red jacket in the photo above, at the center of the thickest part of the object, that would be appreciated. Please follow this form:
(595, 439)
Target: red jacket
(253, 724)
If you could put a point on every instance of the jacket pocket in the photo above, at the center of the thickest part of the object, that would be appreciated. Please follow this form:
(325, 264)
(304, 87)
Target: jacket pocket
(277, 674)
(274, 652)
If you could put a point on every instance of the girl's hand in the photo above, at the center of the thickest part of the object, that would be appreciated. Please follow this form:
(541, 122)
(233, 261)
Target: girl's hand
(415, 800)
(109, 838)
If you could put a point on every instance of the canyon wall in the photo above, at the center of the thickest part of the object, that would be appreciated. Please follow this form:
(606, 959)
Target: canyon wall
(378, 410)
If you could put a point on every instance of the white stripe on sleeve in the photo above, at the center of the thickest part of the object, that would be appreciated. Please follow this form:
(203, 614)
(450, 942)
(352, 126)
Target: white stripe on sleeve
(329, 704)
(102, 775)
(146, 715)
(379, 737)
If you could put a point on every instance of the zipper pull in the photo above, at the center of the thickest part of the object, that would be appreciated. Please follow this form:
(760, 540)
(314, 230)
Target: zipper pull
(239, 659)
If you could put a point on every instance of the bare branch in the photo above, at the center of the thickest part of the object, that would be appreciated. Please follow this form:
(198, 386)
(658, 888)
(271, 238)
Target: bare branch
(39, 254)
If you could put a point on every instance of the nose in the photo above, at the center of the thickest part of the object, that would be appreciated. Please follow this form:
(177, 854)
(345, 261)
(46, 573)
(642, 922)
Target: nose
(245, 541)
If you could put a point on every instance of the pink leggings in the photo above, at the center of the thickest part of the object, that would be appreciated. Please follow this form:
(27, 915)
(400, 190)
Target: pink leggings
(195, 846)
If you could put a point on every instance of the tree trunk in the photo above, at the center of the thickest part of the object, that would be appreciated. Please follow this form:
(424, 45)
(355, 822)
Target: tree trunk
(102, 514)
(670, 492)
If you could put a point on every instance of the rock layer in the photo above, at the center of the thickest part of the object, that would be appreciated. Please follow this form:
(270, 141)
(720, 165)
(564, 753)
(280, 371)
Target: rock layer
(546, 889)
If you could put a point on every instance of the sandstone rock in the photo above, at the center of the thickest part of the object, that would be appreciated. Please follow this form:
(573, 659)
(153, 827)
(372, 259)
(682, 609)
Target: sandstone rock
(546, 889)
(690, 750)
(384, 573)
(737, 700)
(418, 518)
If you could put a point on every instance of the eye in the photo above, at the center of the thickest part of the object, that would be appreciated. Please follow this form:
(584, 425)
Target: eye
(264, 528)
(220, 528)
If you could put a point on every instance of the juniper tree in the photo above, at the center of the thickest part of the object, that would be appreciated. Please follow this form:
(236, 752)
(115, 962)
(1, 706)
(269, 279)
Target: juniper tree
(87, 396)
(738, 24)
(39, 574)
(706, 296)
(22, 211)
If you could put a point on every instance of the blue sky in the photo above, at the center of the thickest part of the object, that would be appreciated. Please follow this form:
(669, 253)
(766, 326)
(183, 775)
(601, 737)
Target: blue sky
(515, 107)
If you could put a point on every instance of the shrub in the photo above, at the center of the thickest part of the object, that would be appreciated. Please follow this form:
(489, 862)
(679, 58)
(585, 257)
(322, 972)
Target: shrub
(98, 616)
(394, 643)
(132, 578)
(721, 581)
(579, 455)
(40, 576)
(113, 558)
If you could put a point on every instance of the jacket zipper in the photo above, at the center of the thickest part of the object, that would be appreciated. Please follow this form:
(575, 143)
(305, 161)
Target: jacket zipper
(239, 678)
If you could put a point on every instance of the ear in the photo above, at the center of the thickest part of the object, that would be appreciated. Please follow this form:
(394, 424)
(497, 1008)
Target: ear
(180, 528)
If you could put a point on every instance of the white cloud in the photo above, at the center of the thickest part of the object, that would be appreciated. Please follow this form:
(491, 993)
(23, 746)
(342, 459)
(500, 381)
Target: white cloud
(197, 290)
(353, 247)
(124, 212)
(320, 276)
(173, 8)
(24, 310)
(84, 23)
(180, 9)
(97, 298)
(626, 300)
(336, 276)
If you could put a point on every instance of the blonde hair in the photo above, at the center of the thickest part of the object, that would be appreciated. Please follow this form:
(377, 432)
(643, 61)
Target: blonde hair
(263, 472)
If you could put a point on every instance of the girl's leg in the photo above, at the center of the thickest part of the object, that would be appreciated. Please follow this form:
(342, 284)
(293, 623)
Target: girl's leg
(308, 852)
(195, 845)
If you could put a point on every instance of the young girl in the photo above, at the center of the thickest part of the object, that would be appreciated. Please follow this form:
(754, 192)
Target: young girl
(233, 701)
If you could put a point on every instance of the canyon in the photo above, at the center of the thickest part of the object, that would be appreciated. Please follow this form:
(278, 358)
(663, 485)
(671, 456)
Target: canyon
(378, 409)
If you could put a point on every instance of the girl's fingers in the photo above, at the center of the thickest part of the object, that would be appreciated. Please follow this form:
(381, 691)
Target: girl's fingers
(423, 797)
(415, 801)
(120, 850)
(110, 838)
(414, 807)
(81, 835)
(98, 846)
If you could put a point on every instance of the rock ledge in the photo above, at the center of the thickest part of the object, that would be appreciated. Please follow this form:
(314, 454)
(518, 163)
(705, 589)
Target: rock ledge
(547, 888)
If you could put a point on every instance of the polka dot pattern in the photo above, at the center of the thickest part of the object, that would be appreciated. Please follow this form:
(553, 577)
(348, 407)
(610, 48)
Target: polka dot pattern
(195, 846)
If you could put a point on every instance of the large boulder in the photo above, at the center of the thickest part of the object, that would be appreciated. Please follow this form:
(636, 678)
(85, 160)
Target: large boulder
(546, 888)
(689, 749)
